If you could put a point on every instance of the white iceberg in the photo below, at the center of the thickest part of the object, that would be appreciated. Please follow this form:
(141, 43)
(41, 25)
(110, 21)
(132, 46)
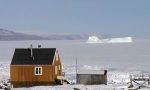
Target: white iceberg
(95, 39)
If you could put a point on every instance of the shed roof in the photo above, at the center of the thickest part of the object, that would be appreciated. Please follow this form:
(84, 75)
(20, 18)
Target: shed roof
(40, 56)
(99, 72)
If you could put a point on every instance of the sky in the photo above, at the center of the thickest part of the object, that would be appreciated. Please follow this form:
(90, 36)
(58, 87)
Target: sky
(108, 17)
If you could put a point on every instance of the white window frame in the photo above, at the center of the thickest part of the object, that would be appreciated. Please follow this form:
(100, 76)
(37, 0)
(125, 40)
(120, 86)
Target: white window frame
(37, 71)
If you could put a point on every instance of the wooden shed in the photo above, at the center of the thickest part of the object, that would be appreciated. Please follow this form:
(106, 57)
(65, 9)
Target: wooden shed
(92, 77)
(35, 66)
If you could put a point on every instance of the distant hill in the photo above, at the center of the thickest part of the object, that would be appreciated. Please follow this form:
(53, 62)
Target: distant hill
(8, 35)
(71, 36)
(11, 35)
(67, 36)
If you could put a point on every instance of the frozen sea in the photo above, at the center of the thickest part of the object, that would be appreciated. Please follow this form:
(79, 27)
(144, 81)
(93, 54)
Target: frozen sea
(123, 56)
(120, 59)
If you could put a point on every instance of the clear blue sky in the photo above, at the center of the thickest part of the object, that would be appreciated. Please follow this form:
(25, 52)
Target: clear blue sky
(112, 17)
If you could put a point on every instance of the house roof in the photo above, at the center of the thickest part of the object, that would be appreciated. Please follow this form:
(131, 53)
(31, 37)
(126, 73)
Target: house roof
(41, 56)
(98, 72)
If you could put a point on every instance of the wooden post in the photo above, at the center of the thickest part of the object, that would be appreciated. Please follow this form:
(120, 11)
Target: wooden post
(76, 69)
(149, 80)
(12, 86)
(130, 79)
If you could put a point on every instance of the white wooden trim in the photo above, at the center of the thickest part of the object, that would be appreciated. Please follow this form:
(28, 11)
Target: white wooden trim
(54, 58)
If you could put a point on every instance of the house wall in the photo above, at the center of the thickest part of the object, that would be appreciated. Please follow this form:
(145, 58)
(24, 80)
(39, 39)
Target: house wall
(27, 73)
(24, 75)
(91, 79)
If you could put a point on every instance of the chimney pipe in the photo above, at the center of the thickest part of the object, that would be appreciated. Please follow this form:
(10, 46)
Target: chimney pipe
(31, 50)
(39, 46)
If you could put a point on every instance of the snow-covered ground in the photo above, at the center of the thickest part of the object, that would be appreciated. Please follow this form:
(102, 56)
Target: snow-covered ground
(117, 80)
(121, 61)
(4, 75)
(114, 78)
(72, 87)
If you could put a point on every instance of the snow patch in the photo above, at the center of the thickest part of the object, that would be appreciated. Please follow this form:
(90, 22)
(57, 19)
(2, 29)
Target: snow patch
(118, 77)
(4, 76)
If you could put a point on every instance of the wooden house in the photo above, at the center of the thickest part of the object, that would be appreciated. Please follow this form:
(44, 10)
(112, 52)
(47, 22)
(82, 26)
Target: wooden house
(35, 66)
(92, 77)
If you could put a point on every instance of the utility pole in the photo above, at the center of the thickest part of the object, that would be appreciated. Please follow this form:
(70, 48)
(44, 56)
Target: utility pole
(76, 68)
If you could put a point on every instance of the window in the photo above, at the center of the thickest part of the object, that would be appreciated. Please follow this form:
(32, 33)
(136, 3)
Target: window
(38, 70)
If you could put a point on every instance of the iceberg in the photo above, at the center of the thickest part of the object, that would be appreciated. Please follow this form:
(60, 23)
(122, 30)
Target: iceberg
(95, 39)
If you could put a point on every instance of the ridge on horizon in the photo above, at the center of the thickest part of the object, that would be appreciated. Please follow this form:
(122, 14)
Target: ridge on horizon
(8, 35)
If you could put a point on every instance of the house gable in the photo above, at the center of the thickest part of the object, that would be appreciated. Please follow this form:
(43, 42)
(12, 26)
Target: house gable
(57, 64)
(56, 60)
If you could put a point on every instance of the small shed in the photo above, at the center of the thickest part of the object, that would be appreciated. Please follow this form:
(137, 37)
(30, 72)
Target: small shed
(92, 77)
(35, 66)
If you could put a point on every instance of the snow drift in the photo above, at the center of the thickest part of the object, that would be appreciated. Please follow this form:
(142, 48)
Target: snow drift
(95, 39)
